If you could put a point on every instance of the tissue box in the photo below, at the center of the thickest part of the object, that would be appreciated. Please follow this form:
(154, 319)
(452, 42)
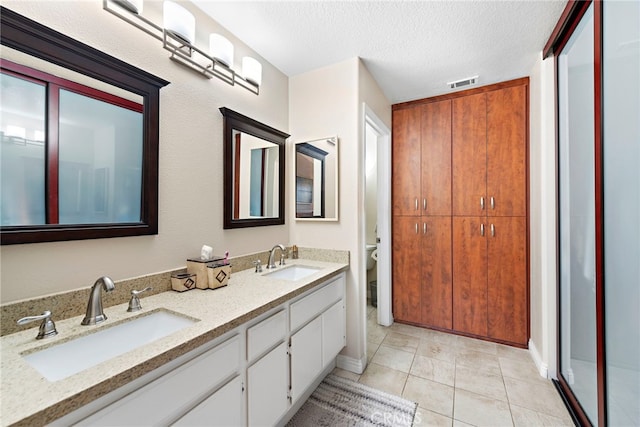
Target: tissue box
(198, 266)
(183, 281)
(218, 275)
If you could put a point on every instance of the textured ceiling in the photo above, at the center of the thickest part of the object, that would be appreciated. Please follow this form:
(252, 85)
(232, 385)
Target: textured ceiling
(412, 48)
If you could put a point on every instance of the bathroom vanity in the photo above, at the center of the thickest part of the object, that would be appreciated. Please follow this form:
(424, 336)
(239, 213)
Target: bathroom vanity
(255, 351)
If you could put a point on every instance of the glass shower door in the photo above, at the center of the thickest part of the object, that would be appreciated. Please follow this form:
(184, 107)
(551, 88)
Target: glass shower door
(621, 167)
(577, 216)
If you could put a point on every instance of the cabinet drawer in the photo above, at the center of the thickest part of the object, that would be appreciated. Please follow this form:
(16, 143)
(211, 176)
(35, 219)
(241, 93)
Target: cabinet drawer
(223, 408)
(310, 306)
(266, 334)
(170, 396)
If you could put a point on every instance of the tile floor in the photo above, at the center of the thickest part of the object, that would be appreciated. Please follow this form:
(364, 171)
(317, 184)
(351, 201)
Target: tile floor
(458, 381)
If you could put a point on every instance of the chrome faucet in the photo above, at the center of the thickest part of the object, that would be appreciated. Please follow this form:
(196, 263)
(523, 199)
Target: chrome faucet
(271, 263)
(95, 314)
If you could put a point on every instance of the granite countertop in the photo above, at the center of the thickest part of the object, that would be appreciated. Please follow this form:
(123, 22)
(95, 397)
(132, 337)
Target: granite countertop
(30, 399)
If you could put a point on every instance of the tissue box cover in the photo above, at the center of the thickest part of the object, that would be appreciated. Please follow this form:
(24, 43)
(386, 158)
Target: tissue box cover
(183, 281)
(218, 275)
(198, 266)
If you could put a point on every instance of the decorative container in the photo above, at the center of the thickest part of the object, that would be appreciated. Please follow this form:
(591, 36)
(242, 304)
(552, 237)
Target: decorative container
(198, 266)
(218, 275)
(183, 281)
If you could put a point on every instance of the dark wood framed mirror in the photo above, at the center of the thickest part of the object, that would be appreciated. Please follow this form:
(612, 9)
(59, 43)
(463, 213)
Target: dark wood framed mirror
(51, 48)
(254, 169)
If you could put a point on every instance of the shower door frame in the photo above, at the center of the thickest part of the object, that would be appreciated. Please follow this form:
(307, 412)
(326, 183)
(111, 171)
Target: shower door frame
(567, 24)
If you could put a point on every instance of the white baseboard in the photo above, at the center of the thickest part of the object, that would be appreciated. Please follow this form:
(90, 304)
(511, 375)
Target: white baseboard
(543, 368)
(350, 364)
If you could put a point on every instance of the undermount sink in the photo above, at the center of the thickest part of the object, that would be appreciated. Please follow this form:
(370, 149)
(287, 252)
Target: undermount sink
(71, 357)
(294, 272)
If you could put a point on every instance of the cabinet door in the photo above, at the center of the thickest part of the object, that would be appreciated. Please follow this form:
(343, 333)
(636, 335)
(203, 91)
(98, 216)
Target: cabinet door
(407, 261)
(267, 387)
(223, 408)
(470, 275)
(306, 357)
(436, 158)
(436, 272)
(469, 153)
(507, 279)
(333, 332)
(173, 394)
(507, 151)
(406, 161)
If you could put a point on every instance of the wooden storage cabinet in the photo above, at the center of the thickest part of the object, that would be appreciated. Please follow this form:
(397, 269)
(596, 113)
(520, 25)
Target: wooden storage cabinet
(437, 307)
(490, 153)
(406, 155)
(461, 255)
(507, 152)
(469, 155)
(435, 154)
(470, 273)
(507, 294)
(407, 274)
(422, 160)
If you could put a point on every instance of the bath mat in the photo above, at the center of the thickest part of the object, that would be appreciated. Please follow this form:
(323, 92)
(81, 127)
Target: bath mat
(341, 402)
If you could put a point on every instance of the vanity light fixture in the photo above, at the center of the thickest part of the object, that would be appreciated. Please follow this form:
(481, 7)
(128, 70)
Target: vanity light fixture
(177, 35)
(179, 22)
(221, 49)
(252, 70)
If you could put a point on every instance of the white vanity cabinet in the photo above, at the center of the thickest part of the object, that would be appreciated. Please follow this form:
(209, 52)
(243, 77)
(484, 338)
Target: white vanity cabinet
(223, 408)
(306, 357)
(253, 375)
(173, 395)
(315, 345)
(268, 370)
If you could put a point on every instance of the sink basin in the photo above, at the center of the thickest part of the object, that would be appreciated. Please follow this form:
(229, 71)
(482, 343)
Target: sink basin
(66, 359)
(295, 272)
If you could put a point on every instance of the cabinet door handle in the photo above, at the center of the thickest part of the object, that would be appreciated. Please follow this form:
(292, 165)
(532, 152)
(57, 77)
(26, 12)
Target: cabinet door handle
(424, 204)
(482, 203)
(493, 203)
(416, 203)
(482, 230)
(424, 228)
(416, 228)
(493, 230)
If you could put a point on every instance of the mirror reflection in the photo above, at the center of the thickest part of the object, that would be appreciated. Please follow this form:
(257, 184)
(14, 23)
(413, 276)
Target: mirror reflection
(317, 179)
(256, 180)
(78, 139)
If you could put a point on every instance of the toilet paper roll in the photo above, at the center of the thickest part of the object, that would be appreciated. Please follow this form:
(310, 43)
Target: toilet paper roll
(206, 252)
(374, 255)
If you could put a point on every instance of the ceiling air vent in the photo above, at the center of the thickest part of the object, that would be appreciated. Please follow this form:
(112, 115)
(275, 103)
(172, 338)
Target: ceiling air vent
(464, 82)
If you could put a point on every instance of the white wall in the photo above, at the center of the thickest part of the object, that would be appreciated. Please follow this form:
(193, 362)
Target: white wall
(190, 182)
(543, 280)
(326, 102)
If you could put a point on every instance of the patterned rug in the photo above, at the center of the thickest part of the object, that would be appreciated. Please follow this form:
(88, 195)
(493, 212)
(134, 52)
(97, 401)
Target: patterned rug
(339, 402)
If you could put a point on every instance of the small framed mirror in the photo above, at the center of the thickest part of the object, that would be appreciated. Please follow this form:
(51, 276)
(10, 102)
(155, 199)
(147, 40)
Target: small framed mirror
(317, 180)
(254, 167)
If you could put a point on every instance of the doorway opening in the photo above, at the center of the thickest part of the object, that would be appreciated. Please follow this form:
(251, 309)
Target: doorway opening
(376, 237)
